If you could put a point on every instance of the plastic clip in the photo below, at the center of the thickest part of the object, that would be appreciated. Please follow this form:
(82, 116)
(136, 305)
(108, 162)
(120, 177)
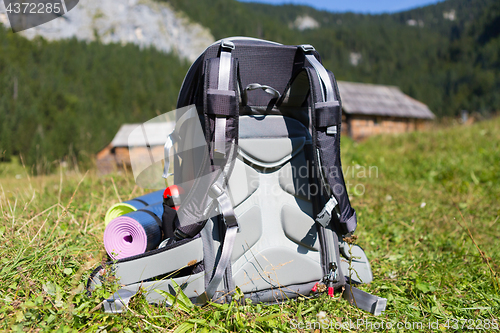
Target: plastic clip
(325, 215)
(227, 45)
(307, 48)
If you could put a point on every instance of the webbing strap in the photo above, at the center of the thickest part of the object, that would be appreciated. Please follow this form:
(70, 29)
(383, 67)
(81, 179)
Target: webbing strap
(225, 204)
(321, 72)
(220, 135)
(118, 302)
(224, 67)
(224, 261)
(166, 153)
(194, 214)
(365, 301)
(223, 84)
(218, 192)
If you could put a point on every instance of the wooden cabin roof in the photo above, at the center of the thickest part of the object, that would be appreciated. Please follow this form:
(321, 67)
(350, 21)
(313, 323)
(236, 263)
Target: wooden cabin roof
(132, 135)
(379, 100)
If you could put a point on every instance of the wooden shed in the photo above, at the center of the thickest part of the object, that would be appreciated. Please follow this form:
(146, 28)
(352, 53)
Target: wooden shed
(370, 109)
(149, 137)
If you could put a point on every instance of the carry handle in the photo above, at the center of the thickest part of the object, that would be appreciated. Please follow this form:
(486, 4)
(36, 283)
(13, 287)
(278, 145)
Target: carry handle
(255, 86)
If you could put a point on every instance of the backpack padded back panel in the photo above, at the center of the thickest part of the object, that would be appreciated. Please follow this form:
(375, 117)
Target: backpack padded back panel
(277, 244)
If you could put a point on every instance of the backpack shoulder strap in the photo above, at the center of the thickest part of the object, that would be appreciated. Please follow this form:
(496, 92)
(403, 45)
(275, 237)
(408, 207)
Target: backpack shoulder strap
(326, 118)
(219, 108)
(220, 98)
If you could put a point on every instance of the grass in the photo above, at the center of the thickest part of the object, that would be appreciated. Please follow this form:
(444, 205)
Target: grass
(428, 219)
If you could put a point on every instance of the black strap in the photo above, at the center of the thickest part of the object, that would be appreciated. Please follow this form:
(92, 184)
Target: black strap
(141, 201)
(328, 114)
(168, 221)
(222, 102)
(157, 219)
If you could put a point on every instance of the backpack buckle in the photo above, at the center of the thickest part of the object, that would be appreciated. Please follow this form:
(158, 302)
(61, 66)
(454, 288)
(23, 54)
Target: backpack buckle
(307, 48)
(215, 191)
(227, 45)
(332, 130)
(325, 215)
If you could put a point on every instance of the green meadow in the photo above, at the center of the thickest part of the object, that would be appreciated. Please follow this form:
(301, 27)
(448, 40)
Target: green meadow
(428, 207)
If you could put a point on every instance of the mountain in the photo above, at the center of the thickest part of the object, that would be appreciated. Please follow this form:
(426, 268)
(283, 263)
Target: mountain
(144, 23)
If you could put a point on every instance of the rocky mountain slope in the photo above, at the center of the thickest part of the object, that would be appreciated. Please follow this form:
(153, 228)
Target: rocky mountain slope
(142, 22)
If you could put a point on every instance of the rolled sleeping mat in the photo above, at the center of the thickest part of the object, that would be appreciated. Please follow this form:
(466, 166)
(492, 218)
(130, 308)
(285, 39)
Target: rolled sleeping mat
(134, 233)
(129, 206)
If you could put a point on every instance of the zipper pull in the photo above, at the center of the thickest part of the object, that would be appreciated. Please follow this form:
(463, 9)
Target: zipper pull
(332, 274)
(331, 278)
(330, 291)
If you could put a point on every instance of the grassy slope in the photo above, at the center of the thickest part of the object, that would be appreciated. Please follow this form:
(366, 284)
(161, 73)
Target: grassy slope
(423, 260)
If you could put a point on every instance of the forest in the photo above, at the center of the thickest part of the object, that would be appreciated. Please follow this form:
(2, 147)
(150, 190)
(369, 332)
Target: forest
(68, 98)
(450, 64)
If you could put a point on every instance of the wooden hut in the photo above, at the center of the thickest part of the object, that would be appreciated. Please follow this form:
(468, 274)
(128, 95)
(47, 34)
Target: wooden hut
(370, 109)
(149, 137)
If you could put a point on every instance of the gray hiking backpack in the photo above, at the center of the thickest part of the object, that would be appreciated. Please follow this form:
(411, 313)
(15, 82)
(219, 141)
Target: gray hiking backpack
(265, 207)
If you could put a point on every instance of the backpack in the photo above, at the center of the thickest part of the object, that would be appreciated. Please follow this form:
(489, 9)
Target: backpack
(256, 150)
